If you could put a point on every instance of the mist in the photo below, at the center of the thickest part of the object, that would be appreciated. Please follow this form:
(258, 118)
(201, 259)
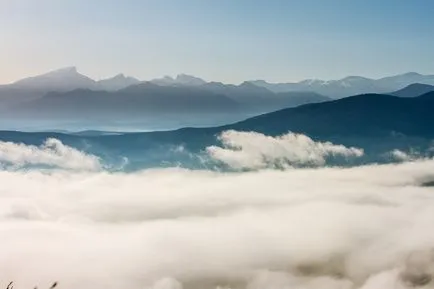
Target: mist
(216, 144)
(364, 227)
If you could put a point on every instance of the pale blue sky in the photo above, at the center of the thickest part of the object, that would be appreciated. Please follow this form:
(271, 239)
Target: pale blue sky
(222, 40)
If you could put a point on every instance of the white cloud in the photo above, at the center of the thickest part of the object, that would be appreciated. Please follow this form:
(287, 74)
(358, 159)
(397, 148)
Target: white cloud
(323, 228)
(252, 150)
(400, 155)
(411, 155)
(52, 153)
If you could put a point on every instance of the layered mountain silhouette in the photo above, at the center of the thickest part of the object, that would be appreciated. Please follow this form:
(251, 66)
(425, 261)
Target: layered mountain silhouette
(143, 98)
(413, 90)
(65, 93)
(149, 98)
(65, 79)
(361, 115)
(351, 85)
(117, 82)
(181, 79)
(369, 116)
(259, 99)
(61, 80)
(68, 79)
(377, 123)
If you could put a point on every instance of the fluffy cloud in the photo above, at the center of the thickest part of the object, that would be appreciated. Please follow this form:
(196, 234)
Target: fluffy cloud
(252, 150)
(52, 153)
(366, 227)
(400, 155)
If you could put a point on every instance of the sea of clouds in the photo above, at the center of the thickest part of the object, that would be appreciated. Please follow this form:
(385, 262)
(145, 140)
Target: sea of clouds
(366, 227)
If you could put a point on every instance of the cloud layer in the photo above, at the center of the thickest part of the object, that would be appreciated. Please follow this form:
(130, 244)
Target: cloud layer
(252, 150)
(52, 153)
(366, 227)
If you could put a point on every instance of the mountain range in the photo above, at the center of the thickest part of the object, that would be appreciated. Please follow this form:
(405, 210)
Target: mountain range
(377, 123)
(360, 115)
(413, 90)
(67, 94)
(67, 79)
(351, 85)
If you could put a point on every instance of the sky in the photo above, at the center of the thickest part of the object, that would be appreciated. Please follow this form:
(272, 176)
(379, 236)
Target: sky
(224, 40)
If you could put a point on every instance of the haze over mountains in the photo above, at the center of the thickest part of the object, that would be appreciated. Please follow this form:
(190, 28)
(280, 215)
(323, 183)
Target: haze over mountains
(377, 123)
(374, 122)
(363, 115)
(184, 99)
(413, 90)
(187, 100)
(351, 85)
(67, 79)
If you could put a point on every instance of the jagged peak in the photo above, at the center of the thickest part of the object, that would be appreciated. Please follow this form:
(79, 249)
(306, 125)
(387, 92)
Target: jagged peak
(184, 75)
(61, 79)
(63, 71)
(120, 75)
(248, 84)
(258, 81)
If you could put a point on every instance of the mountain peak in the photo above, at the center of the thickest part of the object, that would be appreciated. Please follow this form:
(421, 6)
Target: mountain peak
(248, 84)
(414, 90)
(259, 82)
(119, 81)
(180, 79)
(70, 70)
(189, 79)
(122, 77)
(119, 76)
(411, 73)
(64, 79)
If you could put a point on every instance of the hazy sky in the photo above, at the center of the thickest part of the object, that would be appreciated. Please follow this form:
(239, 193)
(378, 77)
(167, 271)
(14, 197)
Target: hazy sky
(224, 40)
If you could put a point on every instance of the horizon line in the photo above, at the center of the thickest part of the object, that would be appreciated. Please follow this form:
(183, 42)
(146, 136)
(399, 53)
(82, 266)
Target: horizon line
(174, 76)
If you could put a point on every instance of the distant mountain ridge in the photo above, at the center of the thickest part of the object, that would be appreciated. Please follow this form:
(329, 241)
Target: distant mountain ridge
(375, 122)
(117, 82)
(180, 79)
(413, 90)
(351, 85)
(134, 100)
(146, 99)
(363, 115)
(360, 115)
(67, 79)
(65, 93)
